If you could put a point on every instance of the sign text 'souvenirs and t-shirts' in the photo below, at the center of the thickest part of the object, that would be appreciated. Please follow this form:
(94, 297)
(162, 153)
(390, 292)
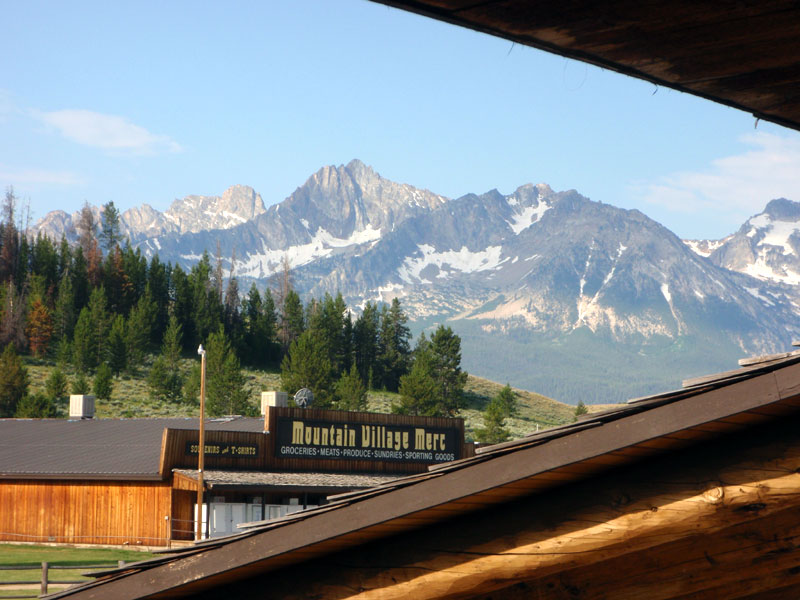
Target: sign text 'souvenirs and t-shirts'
(299, 438)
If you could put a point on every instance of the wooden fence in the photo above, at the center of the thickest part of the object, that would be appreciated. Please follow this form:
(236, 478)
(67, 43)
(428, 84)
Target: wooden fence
(45, 580)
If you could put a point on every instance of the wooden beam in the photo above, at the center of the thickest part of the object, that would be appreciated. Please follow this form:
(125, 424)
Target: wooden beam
(746, 559)
(701, 493)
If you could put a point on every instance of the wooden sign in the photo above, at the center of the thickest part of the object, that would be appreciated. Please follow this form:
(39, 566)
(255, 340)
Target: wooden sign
(224, 449)
(302, 438)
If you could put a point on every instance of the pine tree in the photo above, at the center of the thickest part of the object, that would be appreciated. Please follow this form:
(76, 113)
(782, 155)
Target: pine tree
(12, 320)
(306, 365)
(9, 253)
(350, 391)
(445, 347)
(80, 385)
(507, 400)
(493, 430)
(164, 379)
(580, 409)
(420, 392)
(293, 324)
(118, 346)
(394, 345)
(39, 328)
(64, 319)
(100, 323)
(14, 381)
(110, 233)
(225, 383)
(137, 331)
(35, 406)
(84, 344)
(56, 386)
(103, 382)
(366, 343)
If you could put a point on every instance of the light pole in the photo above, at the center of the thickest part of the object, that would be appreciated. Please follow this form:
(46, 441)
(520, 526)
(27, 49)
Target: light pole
(201, 446)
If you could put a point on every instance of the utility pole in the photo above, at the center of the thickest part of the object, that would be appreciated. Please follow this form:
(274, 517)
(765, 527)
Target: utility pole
(201, 447)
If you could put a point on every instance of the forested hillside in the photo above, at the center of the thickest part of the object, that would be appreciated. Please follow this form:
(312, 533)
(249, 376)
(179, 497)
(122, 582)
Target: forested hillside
(98, 316)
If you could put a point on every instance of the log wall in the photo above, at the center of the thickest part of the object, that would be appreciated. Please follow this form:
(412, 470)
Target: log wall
(98, 512)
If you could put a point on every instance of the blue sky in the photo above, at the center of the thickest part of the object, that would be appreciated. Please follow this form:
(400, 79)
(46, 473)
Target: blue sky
(146, 102)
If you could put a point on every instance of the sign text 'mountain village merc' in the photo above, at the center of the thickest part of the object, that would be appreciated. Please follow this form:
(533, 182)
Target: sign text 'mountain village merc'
(298, 438)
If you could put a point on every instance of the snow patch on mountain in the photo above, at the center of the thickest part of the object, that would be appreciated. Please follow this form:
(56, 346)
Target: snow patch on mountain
(529, 215)
(704, 248)
(447, 262)
(776, 233)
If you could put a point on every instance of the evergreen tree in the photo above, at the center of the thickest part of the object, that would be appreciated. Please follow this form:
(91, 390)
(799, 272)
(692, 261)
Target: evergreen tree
(394, 345)
(12, 320)
(493, 430)
(158, 281)
(507, 400)
(293, 324)
(14, 381)
(23, 262)
(100, 320)
(137, 331)
(35, 406)
(118, 346)
(118, 286)
(420, 392)
(39, 328)
(56, 386)
(445, 347)
(165, 380)
(110, 230)
(350, 391)
(80, 385)
(9, 253)
(183, 307)
(224, 380)
(44, 263)
(84, 343)
(103, 382)
(306, 365)
(366, 343)
(64, 319)
(171, 346)
(80, 280)
(191, 387)
(580, 409)
(164, 383)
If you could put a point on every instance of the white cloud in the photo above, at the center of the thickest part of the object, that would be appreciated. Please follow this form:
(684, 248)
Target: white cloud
(108, 132)
(740, 184)
(38, 176)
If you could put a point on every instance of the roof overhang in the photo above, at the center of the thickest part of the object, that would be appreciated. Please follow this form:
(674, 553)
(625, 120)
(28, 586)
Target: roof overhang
(529, 466)
(741, 54)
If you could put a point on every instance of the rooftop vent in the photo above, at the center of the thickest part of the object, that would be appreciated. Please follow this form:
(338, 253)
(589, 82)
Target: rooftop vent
(278, 399)
(81, 406)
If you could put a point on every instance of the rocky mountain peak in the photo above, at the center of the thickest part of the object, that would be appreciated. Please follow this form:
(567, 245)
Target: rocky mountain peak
(782, 209)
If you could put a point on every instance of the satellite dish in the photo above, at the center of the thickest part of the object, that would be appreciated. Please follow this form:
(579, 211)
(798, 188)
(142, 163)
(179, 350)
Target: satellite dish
(304, 398)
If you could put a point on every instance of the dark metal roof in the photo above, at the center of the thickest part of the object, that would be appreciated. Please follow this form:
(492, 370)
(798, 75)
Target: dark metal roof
(741, 54)
(308, 481)
(501, 473)
(93, 448)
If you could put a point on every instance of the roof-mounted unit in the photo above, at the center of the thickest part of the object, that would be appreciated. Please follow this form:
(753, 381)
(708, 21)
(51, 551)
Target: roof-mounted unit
(81, 406)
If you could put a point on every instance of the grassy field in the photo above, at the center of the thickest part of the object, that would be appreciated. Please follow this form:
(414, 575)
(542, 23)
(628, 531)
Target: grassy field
(30, 555)
(130, 399)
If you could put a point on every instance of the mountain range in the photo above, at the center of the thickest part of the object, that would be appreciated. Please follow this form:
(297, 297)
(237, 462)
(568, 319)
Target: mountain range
(550, 291)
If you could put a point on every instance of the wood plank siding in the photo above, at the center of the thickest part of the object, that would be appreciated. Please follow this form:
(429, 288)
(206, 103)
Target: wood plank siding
(85, 512)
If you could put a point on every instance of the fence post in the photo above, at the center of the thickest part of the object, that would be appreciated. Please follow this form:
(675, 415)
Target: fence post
(45, 568)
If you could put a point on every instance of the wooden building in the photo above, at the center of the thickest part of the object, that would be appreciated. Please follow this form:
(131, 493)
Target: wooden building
(134, 481)
(689, 494)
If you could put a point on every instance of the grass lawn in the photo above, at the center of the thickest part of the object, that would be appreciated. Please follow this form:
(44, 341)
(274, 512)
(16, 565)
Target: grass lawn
(23, 554)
